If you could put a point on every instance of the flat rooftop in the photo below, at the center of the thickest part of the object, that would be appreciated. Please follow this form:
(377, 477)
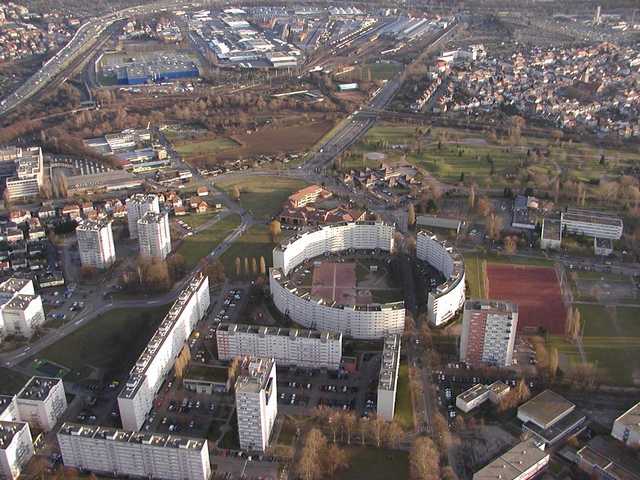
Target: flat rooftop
(606, 452)
(14, 284)
(292, 333)
(551, 229)
(254, 374)
(390, 362)
(546, 408)
(117, 435)
(591, 216)
(493, 306)
(93, 225)
(513, 463)
(631, 418)
(20, 301)
(8, 430)
(207, 373)
(5, 401)
(38, 388)
(473, 393)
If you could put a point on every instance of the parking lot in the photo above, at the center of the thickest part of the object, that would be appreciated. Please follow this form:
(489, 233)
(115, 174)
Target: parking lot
(301, 390)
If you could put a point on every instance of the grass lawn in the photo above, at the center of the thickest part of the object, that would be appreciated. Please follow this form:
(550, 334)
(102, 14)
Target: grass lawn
(375, 464)
(11, 382)
(198, 246)
(474, 273)
(205, 147)
(611, 342)
(404, 407)
(194, 220)
(255, 243)
(263, 196)
(112, 341)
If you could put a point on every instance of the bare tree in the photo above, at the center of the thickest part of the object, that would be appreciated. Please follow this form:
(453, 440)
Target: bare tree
(348, 420)
(484, 206)
(393, 434)
(263, 266)
(235, 193)
(309, 466)
(424, 460)
(411, 215)
(335, 459)
(510, 245)
(275, 230)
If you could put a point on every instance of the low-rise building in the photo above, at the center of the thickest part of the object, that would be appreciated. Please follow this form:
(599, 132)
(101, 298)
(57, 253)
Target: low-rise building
(604, 458)
(256, 402)
(388, 380)
(626, 427)
(41, 402)
(551, 237)
(522, 462)
(478, 394)
(121, 453)
(550, 418)
(591, 223)
(206, 379)
(288, 346)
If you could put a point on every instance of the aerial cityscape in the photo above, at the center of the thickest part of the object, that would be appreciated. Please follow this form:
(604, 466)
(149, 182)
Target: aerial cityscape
(307, 240)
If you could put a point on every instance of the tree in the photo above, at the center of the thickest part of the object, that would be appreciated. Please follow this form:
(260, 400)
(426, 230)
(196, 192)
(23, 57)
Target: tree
(494, 226)
(377, 426)
(309, 466)
(393, 434)
(235, 193)
(275, 230)
(553, 362)
(263, 266)
(215, 271)
(254, 266)
(246, 266)
(335, 459)
(510, 245)
(424, 460)
(348, 423)
(238, 267)
(411, 215)
(472, 196)
(484, 206)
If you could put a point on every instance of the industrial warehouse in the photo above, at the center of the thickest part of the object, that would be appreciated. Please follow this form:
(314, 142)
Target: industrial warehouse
(145, 68)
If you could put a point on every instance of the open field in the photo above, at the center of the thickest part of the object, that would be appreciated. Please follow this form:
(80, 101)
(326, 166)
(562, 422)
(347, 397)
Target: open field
(611, 342)
(198, 246)
(449, 152)
(277, 140)
(404, 407)
(190, 150)
(263, 196)
(194, 220)
(375, 464)
(536, 291)
(372, 71)
(255, 243)
(111, 342)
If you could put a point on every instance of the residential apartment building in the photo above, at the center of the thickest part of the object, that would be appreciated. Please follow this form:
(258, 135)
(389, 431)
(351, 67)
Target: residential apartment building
(149, 372)
(488, 332)
(154, 236)
(307, 195)
(447, 299)
(120, 453)
(359, 321)
(21, 310)
(256, 402)
(388, 380)
(288, 346)
(591, 223)
(16, 448)
(8, 408)
(41, 402)
(23, 172)
(95, 243)
(626, 427)
(137, 206)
